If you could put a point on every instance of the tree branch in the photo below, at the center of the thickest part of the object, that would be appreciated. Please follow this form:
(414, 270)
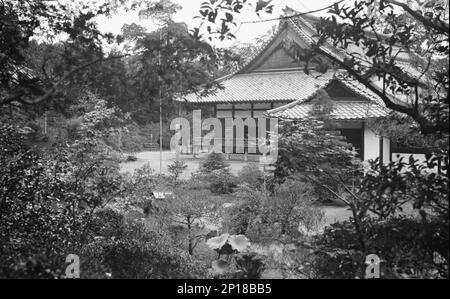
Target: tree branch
(295, 15)
(425, 125)
(440, 26)
(50, 92)
(329, 189)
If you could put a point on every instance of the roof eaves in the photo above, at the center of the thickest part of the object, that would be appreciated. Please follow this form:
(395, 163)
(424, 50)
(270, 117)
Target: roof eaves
(352, 85)
(300, 101)
(289, 116)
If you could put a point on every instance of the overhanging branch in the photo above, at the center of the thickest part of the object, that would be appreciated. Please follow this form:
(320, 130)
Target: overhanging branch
(440, 26)
(425, 125)
(20, 97)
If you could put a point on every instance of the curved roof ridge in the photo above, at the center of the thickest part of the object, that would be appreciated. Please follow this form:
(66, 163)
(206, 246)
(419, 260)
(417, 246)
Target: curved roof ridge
(283, 23)
(261, 49)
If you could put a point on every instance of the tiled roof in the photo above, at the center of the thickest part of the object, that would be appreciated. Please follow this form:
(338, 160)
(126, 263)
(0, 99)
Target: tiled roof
(266, 87)
(359, 88)
(241, 87)
(341, 111)
(370, 105)
(304, 26)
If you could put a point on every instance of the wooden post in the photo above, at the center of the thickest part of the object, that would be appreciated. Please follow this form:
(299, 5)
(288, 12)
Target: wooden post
(119, 140)
(45, 123)
(160, 110)
(381, 150)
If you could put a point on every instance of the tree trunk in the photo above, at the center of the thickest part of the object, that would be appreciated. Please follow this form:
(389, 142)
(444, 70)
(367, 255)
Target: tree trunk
(190, 245)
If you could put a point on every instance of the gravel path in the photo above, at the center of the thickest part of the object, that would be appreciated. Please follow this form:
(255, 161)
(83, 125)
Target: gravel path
(152, 158)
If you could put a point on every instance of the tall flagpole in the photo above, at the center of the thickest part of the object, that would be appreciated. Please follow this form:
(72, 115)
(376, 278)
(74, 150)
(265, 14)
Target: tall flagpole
(160, 109)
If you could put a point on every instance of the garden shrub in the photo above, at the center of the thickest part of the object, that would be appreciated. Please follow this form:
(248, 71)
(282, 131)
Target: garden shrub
(245, 211)
(131, 251)
(220, 181)
(46, 203)
(131, 158)
(251, 175)
(214, 161)
(406, 249)
(175, 169)
(133, 139)
(215, 172)
(264, 217)
(410, 246)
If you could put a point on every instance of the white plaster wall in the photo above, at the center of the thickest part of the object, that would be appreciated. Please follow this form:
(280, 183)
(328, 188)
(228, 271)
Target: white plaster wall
(371, 145)
(242, 114)
(224, 114)
(258, 114)
(386, 150)
(420, 157)
(397, 156)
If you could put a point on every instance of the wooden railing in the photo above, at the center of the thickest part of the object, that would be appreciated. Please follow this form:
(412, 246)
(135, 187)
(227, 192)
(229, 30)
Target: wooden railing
(151, 146)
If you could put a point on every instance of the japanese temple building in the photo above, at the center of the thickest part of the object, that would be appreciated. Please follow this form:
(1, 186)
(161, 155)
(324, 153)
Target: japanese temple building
(273, 85)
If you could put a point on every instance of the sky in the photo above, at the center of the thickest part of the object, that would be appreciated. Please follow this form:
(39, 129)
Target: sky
(246, 33)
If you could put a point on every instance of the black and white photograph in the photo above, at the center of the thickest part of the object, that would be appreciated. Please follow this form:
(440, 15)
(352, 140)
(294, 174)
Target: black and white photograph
(223, 146)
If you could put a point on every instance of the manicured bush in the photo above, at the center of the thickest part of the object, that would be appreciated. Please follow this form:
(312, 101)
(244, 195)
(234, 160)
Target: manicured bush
(131, 159)
(214, 161)
(221, 182)
(215, 172)
(251, 175)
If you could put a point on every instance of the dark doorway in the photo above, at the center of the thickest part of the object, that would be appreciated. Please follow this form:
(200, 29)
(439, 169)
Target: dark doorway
(354, 137)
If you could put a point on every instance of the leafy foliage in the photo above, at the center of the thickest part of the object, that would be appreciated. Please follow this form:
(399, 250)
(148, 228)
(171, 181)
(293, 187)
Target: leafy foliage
(314, 150)
(214, 161)
(216, 173)
(46, 203)
(238, 263)
(408, 250)
(188, 207)
(284, 215)
(176, 169)
(223, 12)
(22, 21)
(251, 175)
(381, 31)
(126, 249)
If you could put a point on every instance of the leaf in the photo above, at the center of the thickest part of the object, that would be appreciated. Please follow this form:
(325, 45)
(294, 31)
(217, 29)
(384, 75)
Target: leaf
(261, 4)
(229, 17)
(220, 267)
(239, 242)
(218, 242)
